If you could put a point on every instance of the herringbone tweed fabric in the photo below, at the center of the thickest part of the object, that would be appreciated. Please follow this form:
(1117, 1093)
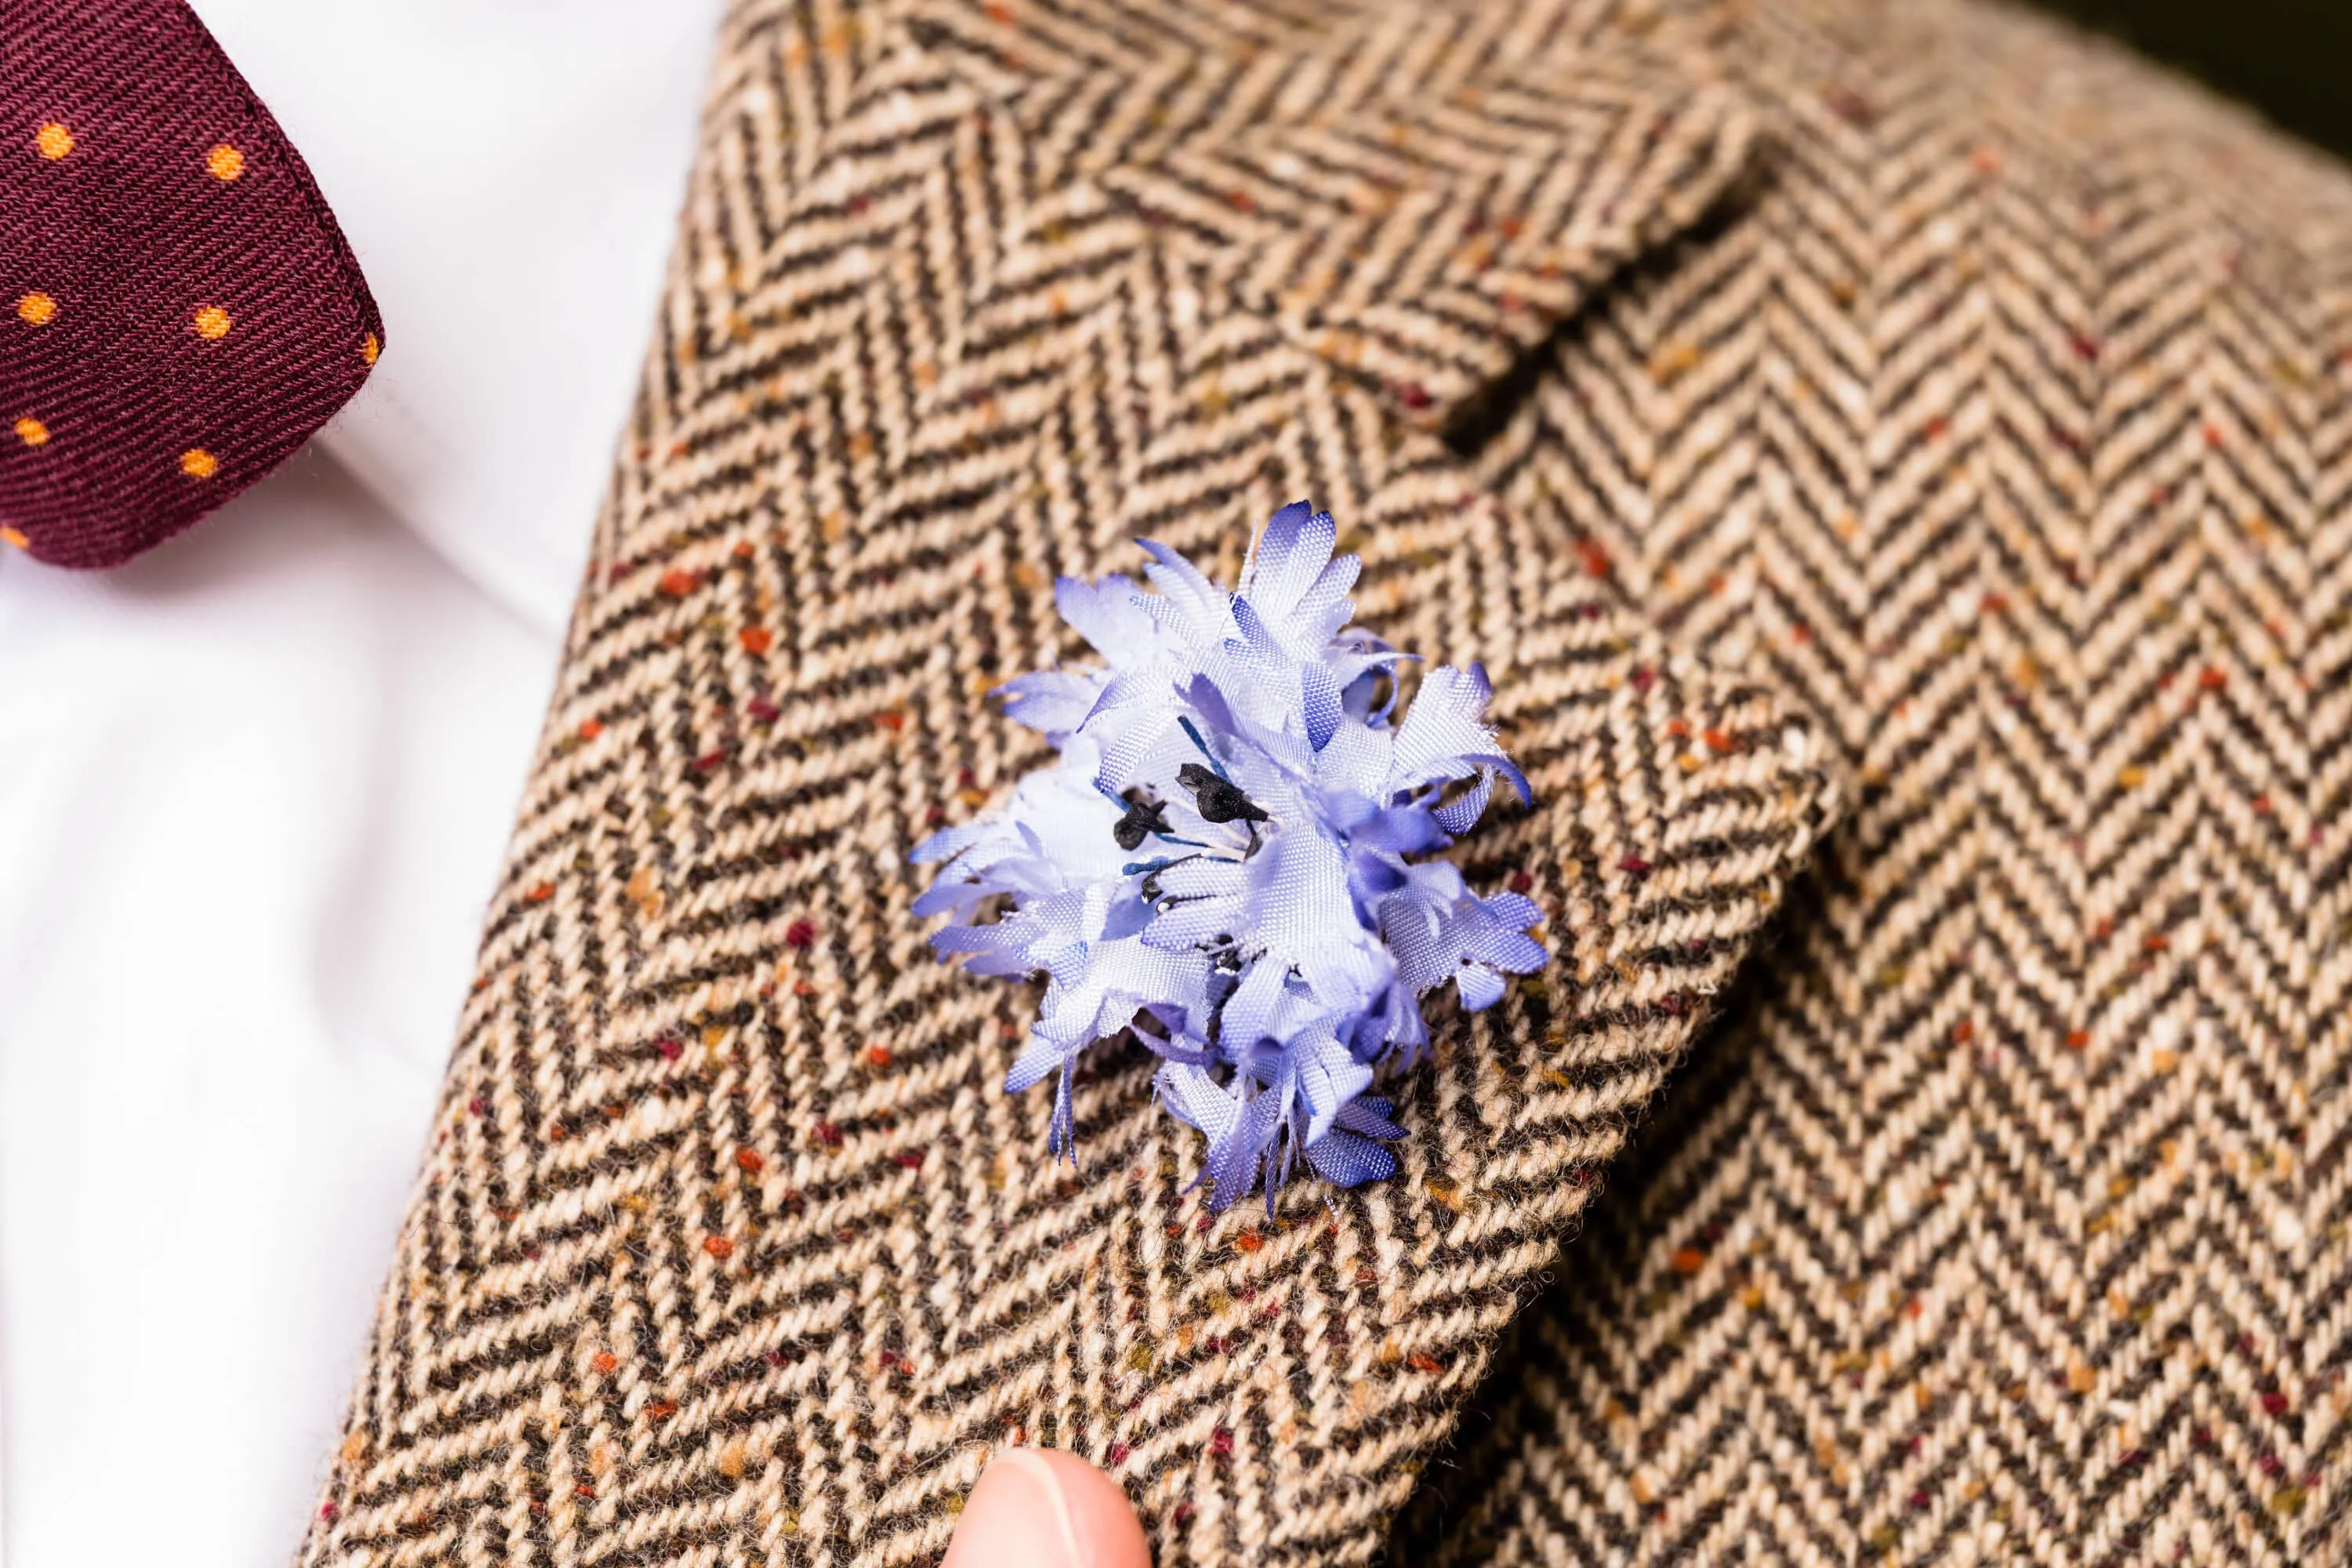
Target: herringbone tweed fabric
(2005, 427)
(1772, 400)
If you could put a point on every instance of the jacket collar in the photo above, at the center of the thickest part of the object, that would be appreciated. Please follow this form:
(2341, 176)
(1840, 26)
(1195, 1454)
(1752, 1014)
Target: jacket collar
(1419, 194)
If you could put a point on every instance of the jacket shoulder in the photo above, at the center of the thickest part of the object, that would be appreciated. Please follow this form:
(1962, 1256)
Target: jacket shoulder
(1942, 88)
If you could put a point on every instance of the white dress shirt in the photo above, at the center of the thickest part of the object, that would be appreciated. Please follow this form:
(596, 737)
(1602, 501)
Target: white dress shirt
(254, 787)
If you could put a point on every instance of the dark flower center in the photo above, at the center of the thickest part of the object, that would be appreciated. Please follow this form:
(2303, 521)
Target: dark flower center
(1219, 799)
(1143, 818)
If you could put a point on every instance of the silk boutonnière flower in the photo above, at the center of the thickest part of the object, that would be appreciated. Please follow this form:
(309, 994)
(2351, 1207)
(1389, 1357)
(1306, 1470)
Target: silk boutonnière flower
(1231, 857)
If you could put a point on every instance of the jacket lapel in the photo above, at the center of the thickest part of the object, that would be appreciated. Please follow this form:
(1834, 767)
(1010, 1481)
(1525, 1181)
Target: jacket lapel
(732, 1240)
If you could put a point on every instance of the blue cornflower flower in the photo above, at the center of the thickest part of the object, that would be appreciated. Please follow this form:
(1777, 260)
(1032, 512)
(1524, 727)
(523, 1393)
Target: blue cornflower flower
(1225, 858)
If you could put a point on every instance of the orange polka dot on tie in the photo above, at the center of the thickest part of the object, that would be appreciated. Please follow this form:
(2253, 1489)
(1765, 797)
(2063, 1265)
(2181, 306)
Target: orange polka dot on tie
(36, 308)
(369, 348)
(211, 321)
(31, 431)
(54, 141)
(198, 464)
(14, 540)
(225, 162)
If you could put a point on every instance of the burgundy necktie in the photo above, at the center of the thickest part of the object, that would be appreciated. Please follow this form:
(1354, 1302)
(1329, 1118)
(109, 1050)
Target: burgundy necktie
(178, 311)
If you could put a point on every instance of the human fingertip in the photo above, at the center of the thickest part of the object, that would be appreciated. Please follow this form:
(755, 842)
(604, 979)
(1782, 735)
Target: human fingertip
(1040, 1508)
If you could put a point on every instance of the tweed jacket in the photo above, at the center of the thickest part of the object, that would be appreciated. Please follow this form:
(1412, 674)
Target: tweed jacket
(1893, 461)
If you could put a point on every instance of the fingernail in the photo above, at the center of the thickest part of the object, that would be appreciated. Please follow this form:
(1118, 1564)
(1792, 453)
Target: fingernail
(1018, 1517)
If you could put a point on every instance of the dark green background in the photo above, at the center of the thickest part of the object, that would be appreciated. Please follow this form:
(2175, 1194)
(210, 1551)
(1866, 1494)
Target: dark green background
(2291, 59)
